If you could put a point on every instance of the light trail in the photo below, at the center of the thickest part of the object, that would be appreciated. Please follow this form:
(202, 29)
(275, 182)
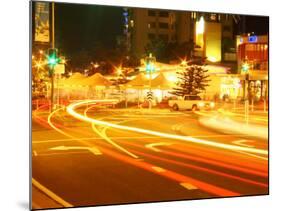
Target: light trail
(152, 147)
(108, 139)
(149, 167)
(71, 110)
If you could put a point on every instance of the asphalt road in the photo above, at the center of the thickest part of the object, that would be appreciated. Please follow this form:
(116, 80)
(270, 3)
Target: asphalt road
(76, 163)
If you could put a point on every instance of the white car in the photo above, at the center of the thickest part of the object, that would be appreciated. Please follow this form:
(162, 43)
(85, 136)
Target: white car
(192, 102)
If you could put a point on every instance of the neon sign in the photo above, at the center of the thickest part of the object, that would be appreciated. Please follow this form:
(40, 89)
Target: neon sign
(253, 38)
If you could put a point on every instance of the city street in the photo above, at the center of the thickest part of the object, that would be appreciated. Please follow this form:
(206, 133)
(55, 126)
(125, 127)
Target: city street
(90, 153)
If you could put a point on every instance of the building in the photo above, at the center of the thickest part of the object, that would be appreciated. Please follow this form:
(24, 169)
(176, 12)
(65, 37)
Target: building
(149, 24)
(211, 32)
(214, 36)
(252, 61)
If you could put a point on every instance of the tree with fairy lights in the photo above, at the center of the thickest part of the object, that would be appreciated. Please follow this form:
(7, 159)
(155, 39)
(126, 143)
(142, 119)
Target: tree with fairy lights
(193, 80)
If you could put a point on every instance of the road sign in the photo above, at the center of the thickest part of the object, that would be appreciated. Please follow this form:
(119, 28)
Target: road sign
(59, 69)
(149, 96)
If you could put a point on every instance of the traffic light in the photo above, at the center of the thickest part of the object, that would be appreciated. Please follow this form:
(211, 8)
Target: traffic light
(150, 63)
(52, 57)
(245, 68)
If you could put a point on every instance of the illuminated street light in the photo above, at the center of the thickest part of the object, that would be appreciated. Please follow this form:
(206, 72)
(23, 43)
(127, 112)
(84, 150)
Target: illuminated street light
(38, 64)
(41, 52)
(184, 62)
(119, 71)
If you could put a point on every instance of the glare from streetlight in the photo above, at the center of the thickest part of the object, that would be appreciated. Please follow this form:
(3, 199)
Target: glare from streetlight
(96, 65)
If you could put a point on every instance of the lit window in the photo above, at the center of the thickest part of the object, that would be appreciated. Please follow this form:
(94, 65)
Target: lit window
(213, 17)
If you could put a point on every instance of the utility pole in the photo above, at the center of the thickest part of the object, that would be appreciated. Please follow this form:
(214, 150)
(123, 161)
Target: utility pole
(53, 47)
(245, 69)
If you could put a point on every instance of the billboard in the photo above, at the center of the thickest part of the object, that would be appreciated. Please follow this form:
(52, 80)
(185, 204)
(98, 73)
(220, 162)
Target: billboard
(42, 26)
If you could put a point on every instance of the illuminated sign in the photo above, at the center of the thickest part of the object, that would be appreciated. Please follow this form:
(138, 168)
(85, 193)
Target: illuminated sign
(42, 28)
(253, 38)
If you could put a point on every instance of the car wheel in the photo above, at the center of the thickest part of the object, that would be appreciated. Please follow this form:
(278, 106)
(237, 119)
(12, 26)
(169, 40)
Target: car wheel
(175, 107)
(194, 108)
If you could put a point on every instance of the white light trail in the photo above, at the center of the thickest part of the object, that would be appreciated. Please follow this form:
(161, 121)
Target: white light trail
(71, 110)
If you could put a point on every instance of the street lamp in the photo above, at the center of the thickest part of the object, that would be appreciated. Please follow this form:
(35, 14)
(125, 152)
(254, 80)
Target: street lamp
(150, 67)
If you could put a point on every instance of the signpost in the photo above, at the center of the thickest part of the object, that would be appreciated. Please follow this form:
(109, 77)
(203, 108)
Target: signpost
(150, 67)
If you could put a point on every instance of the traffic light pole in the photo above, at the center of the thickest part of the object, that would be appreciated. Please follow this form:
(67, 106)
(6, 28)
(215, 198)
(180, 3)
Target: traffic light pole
(52, 88)
(53, 46)
(150, 89)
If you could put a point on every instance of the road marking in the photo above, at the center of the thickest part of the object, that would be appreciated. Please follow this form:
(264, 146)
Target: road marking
(126, 137)
(71, 110)
(158, 169)
(188, 186)
(91, 138)
(153, 146)
(51, 194)
(105, 137)
(61, 153)
(94, 150)
(253, 155)
(242, 143)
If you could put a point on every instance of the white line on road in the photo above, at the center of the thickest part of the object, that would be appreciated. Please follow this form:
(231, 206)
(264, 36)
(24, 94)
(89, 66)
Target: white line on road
(50, 194)
(158, 169)
(61, 153)
(94, 150)
(242, 143)
(253, 155)
(188, 186)
(106, 138)
(152, 146)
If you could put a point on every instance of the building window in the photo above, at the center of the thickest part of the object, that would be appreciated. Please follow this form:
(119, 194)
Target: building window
(151, 36)
(151, 13)
(193, 15)
(163, 14)
(152, 25)
(226, 28)
(164, 37)
(132, 23)
(213, 17)
(163, 25)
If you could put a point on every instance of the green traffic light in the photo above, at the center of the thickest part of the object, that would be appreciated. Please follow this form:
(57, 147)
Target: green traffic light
(52, 60)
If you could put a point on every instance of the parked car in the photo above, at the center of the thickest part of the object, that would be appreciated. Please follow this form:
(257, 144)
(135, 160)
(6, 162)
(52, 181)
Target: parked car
(192, 102)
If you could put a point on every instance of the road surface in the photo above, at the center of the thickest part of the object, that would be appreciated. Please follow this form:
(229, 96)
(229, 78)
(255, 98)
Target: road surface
(78, 163)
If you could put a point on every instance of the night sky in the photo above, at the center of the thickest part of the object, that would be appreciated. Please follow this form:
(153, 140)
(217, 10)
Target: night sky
(257, 24)
(82, 27)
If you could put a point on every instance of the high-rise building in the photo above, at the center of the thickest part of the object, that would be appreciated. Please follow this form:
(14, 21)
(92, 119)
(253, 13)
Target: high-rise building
(211, 32)
(149, 24)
